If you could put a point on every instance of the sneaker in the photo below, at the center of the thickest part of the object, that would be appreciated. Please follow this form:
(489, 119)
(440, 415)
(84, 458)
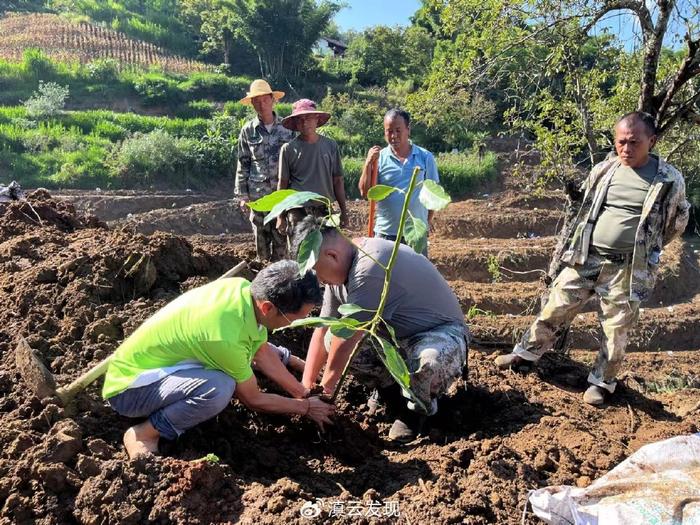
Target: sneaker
(594, 395)
(511, 361)
(407, 427)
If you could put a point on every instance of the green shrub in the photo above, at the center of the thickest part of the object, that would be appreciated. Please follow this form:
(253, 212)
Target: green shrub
(109, 130)
(47, 101)
(157, 89)
(37, 64)
(462, 174)
(145, 159)
(214, 86)
(283, 109)
(196, 109)
(352, 169)
(103, 70)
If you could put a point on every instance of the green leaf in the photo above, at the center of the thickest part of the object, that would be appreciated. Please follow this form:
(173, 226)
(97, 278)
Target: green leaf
(433, 196)
(391, 331)
(309, 250)
(416, 234)
(333, 221)
(209, 458)
(342, 331)
(396, 366)
(294, 200)
(313, 322)
(268, 202)
(394, 363)
(380, 192)
(349, 309)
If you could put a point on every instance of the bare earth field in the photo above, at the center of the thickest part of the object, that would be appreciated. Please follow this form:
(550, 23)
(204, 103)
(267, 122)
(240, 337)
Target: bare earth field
(75, 286)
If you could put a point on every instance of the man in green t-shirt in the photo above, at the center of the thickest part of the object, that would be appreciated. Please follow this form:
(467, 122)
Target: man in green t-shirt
(183, 365)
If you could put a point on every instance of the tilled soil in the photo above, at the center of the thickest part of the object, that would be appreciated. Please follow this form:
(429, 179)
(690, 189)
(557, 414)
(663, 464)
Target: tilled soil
(75, 288)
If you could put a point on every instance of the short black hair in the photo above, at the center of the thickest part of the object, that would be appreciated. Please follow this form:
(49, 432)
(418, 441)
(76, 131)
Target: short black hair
(281, 284)
(642, 117)
(306, 226)
(397, 112)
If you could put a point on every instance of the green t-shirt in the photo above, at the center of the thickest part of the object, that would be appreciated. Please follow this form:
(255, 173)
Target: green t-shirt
(212, 327)
(617, 223)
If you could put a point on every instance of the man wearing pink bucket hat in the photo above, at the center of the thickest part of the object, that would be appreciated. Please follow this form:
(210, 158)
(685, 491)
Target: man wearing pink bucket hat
(310, 162)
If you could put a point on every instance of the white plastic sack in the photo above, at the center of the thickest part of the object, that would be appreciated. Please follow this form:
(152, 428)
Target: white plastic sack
(659, 484)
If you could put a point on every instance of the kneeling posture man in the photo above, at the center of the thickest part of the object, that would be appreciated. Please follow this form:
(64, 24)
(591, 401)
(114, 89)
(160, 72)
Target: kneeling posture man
(421, 308)
(183, 365)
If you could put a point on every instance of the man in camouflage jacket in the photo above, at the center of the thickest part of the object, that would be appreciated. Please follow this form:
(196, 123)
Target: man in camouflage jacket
(259, 145)
(633, 205)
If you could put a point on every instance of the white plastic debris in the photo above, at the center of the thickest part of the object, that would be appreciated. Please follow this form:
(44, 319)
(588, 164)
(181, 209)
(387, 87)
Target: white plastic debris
(660, 484)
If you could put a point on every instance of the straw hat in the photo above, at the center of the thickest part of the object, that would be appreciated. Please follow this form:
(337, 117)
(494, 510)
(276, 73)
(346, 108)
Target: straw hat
(260, 87)
(301, 107)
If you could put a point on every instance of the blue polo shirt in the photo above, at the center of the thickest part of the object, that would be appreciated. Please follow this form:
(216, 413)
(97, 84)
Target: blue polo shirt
(393, 173)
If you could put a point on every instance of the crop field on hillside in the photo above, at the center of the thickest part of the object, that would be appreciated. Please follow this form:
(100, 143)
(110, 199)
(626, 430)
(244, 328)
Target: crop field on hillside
(66, 41)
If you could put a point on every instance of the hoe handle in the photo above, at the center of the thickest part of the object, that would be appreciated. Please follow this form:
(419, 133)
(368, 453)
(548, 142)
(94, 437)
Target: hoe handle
(372, 204)
(235, 270)
(67, 393)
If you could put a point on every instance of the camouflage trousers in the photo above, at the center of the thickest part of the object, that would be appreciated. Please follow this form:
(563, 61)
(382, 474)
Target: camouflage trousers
(574, 285)
(270, 245)
(434, 358)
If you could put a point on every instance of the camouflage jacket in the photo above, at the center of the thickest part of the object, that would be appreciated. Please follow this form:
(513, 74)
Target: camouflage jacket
(664, 217)
(258, 158)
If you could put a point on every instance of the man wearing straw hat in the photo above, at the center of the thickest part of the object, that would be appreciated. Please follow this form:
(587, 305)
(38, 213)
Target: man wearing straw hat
(310, 162)
(259, 146)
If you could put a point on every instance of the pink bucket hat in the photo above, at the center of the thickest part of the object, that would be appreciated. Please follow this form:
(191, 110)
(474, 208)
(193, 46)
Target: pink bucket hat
(304, 106)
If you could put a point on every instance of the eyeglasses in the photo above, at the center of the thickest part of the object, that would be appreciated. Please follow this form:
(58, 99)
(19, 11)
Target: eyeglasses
(283, 315)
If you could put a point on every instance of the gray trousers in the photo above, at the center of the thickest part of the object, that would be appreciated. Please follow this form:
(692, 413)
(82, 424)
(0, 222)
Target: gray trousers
(178, 401)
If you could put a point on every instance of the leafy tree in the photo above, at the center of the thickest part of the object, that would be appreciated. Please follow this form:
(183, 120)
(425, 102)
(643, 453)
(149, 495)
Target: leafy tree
(382, 53)
(557, 79)
(280, 33)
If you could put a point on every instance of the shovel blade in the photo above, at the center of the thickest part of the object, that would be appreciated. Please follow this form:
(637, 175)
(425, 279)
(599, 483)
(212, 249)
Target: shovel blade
(33, 372)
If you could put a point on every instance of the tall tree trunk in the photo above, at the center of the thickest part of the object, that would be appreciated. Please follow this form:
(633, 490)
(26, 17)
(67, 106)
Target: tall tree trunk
(653, 40)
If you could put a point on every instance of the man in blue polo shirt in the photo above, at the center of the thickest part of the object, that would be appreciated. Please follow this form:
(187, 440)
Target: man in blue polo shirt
(396, 164)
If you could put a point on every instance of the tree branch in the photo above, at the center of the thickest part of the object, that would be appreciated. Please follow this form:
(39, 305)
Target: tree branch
(689, 69)
(636, 6)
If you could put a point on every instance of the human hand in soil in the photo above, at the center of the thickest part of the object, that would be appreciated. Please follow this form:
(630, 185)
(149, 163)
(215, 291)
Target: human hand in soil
(243, 204)
(343, 219)
(316, 390)
(282, 225)
(319, 411)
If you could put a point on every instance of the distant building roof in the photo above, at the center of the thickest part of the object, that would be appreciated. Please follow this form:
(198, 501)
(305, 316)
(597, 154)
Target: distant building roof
(337, 46)
(334, 42)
